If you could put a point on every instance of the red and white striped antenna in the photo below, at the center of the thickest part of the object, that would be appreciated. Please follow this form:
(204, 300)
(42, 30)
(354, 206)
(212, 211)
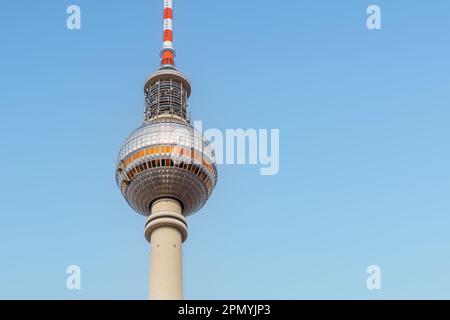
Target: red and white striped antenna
(168, 52)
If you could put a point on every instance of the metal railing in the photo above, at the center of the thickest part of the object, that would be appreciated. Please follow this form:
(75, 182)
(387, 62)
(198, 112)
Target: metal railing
(166, 97)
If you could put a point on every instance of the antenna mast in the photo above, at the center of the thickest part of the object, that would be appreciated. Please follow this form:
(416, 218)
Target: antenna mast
(168, 52)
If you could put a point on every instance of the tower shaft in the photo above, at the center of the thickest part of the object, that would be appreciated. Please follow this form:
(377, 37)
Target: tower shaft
(166, 230)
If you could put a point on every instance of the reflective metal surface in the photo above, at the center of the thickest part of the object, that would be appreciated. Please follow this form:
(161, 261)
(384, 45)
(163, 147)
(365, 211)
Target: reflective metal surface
(166, 159)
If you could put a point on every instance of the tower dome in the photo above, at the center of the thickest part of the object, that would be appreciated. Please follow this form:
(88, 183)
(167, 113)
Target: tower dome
(166, 158)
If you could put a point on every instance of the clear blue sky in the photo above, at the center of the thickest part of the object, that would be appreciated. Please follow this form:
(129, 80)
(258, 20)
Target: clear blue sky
(364, 121)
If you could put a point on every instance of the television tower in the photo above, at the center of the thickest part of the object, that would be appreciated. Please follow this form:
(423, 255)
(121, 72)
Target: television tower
(166, 169)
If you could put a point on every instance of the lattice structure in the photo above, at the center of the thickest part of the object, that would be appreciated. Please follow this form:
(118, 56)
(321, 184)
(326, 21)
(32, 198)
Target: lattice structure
(166, 97)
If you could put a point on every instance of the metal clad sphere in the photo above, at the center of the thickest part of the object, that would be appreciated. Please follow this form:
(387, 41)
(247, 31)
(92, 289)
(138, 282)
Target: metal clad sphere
(166, 159)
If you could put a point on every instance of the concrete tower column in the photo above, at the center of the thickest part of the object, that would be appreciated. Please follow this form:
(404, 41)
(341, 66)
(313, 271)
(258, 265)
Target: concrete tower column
(166, 230)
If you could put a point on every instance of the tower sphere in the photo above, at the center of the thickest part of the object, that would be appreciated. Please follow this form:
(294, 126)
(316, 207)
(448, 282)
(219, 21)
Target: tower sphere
(166, 157)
